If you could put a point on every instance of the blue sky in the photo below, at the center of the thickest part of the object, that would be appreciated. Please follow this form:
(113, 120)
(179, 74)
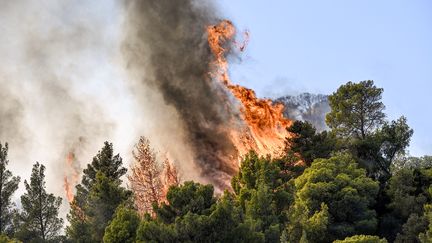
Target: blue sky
(316, 46)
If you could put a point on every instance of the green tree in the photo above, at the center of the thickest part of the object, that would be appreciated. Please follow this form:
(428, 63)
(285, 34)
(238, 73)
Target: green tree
(8, 185)
(309, 144)
(192, 214)
(380, 149)
(97, 197)
(106, 162)
(265, 193)
(358, 120)
(406, 193)
(191, 197)
(123, 227)
(105, 196)
(40, 221)
(79, 229)
(362, 239)
(356, 109)
(411, 229)
(396, 138)
(336, 186)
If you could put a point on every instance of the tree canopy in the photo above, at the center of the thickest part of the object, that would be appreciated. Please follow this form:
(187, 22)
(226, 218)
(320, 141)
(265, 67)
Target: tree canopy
(356, 109)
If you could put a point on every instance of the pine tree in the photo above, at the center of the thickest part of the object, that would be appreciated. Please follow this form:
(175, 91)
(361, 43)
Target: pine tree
(97, 197)
(106, 162)
(8, 185)
(40, 221)
(145, 178)
(356, 109)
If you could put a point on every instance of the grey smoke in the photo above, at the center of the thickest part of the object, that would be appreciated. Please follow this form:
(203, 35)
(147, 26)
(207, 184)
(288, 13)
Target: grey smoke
(59, 90)
(166, 49)
(307, 107)
(76, 73)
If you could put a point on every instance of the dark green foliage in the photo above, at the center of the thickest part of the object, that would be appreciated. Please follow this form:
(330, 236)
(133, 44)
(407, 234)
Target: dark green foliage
(356, 109)
(123, 227)
(407, 192)
(339, 187)
(79, 229)
(193, 215)
(389, 141)
(378, 151)
(105, 196)
(426, 236)
(309, 144)
(362, 239)
(154, 231)
(265, 193)
(357, 119)
(40, 221)
(105, 162)
(411, 229)
(189, 198)
(97, 197)
(8, 185)
(396, 137)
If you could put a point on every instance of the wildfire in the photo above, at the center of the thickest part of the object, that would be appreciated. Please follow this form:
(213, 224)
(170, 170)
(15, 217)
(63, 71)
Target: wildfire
(71, 176)
(266, 125)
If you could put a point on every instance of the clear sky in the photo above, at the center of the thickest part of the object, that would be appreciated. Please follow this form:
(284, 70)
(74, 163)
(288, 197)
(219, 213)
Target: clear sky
(316, 46)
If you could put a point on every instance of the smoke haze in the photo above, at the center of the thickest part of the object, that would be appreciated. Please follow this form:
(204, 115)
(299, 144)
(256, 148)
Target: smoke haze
(74, 74)
(59, 87)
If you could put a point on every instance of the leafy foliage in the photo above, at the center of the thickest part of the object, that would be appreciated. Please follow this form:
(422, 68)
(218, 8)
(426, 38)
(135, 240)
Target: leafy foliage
(336, 187)
(362, 239)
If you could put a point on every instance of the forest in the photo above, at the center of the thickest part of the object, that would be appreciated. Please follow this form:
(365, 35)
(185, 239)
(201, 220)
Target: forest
(354, 182)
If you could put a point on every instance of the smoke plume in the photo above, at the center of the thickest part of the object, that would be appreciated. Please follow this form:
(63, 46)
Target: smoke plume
(60, 92)
(74, 74)
(166, 51)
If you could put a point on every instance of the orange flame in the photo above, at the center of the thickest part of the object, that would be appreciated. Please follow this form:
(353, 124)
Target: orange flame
(71, 176)
(266, 125)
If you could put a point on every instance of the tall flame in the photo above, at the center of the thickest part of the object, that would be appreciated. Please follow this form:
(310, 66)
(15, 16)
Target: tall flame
(266, 125)
(71, 176)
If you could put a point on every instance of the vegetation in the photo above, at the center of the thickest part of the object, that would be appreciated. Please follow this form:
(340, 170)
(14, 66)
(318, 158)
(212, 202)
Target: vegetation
(39, 216)
(8, 185)
(351, 183)
(97, 197)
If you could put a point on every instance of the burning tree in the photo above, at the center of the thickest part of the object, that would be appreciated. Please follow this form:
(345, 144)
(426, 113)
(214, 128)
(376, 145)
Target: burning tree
(170, 176)
(145, 177)
(150, 181)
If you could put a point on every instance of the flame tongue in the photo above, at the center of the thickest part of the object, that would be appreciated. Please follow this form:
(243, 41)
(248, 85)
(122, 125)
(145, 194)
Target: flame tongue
(266, 125)
(71, 176)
